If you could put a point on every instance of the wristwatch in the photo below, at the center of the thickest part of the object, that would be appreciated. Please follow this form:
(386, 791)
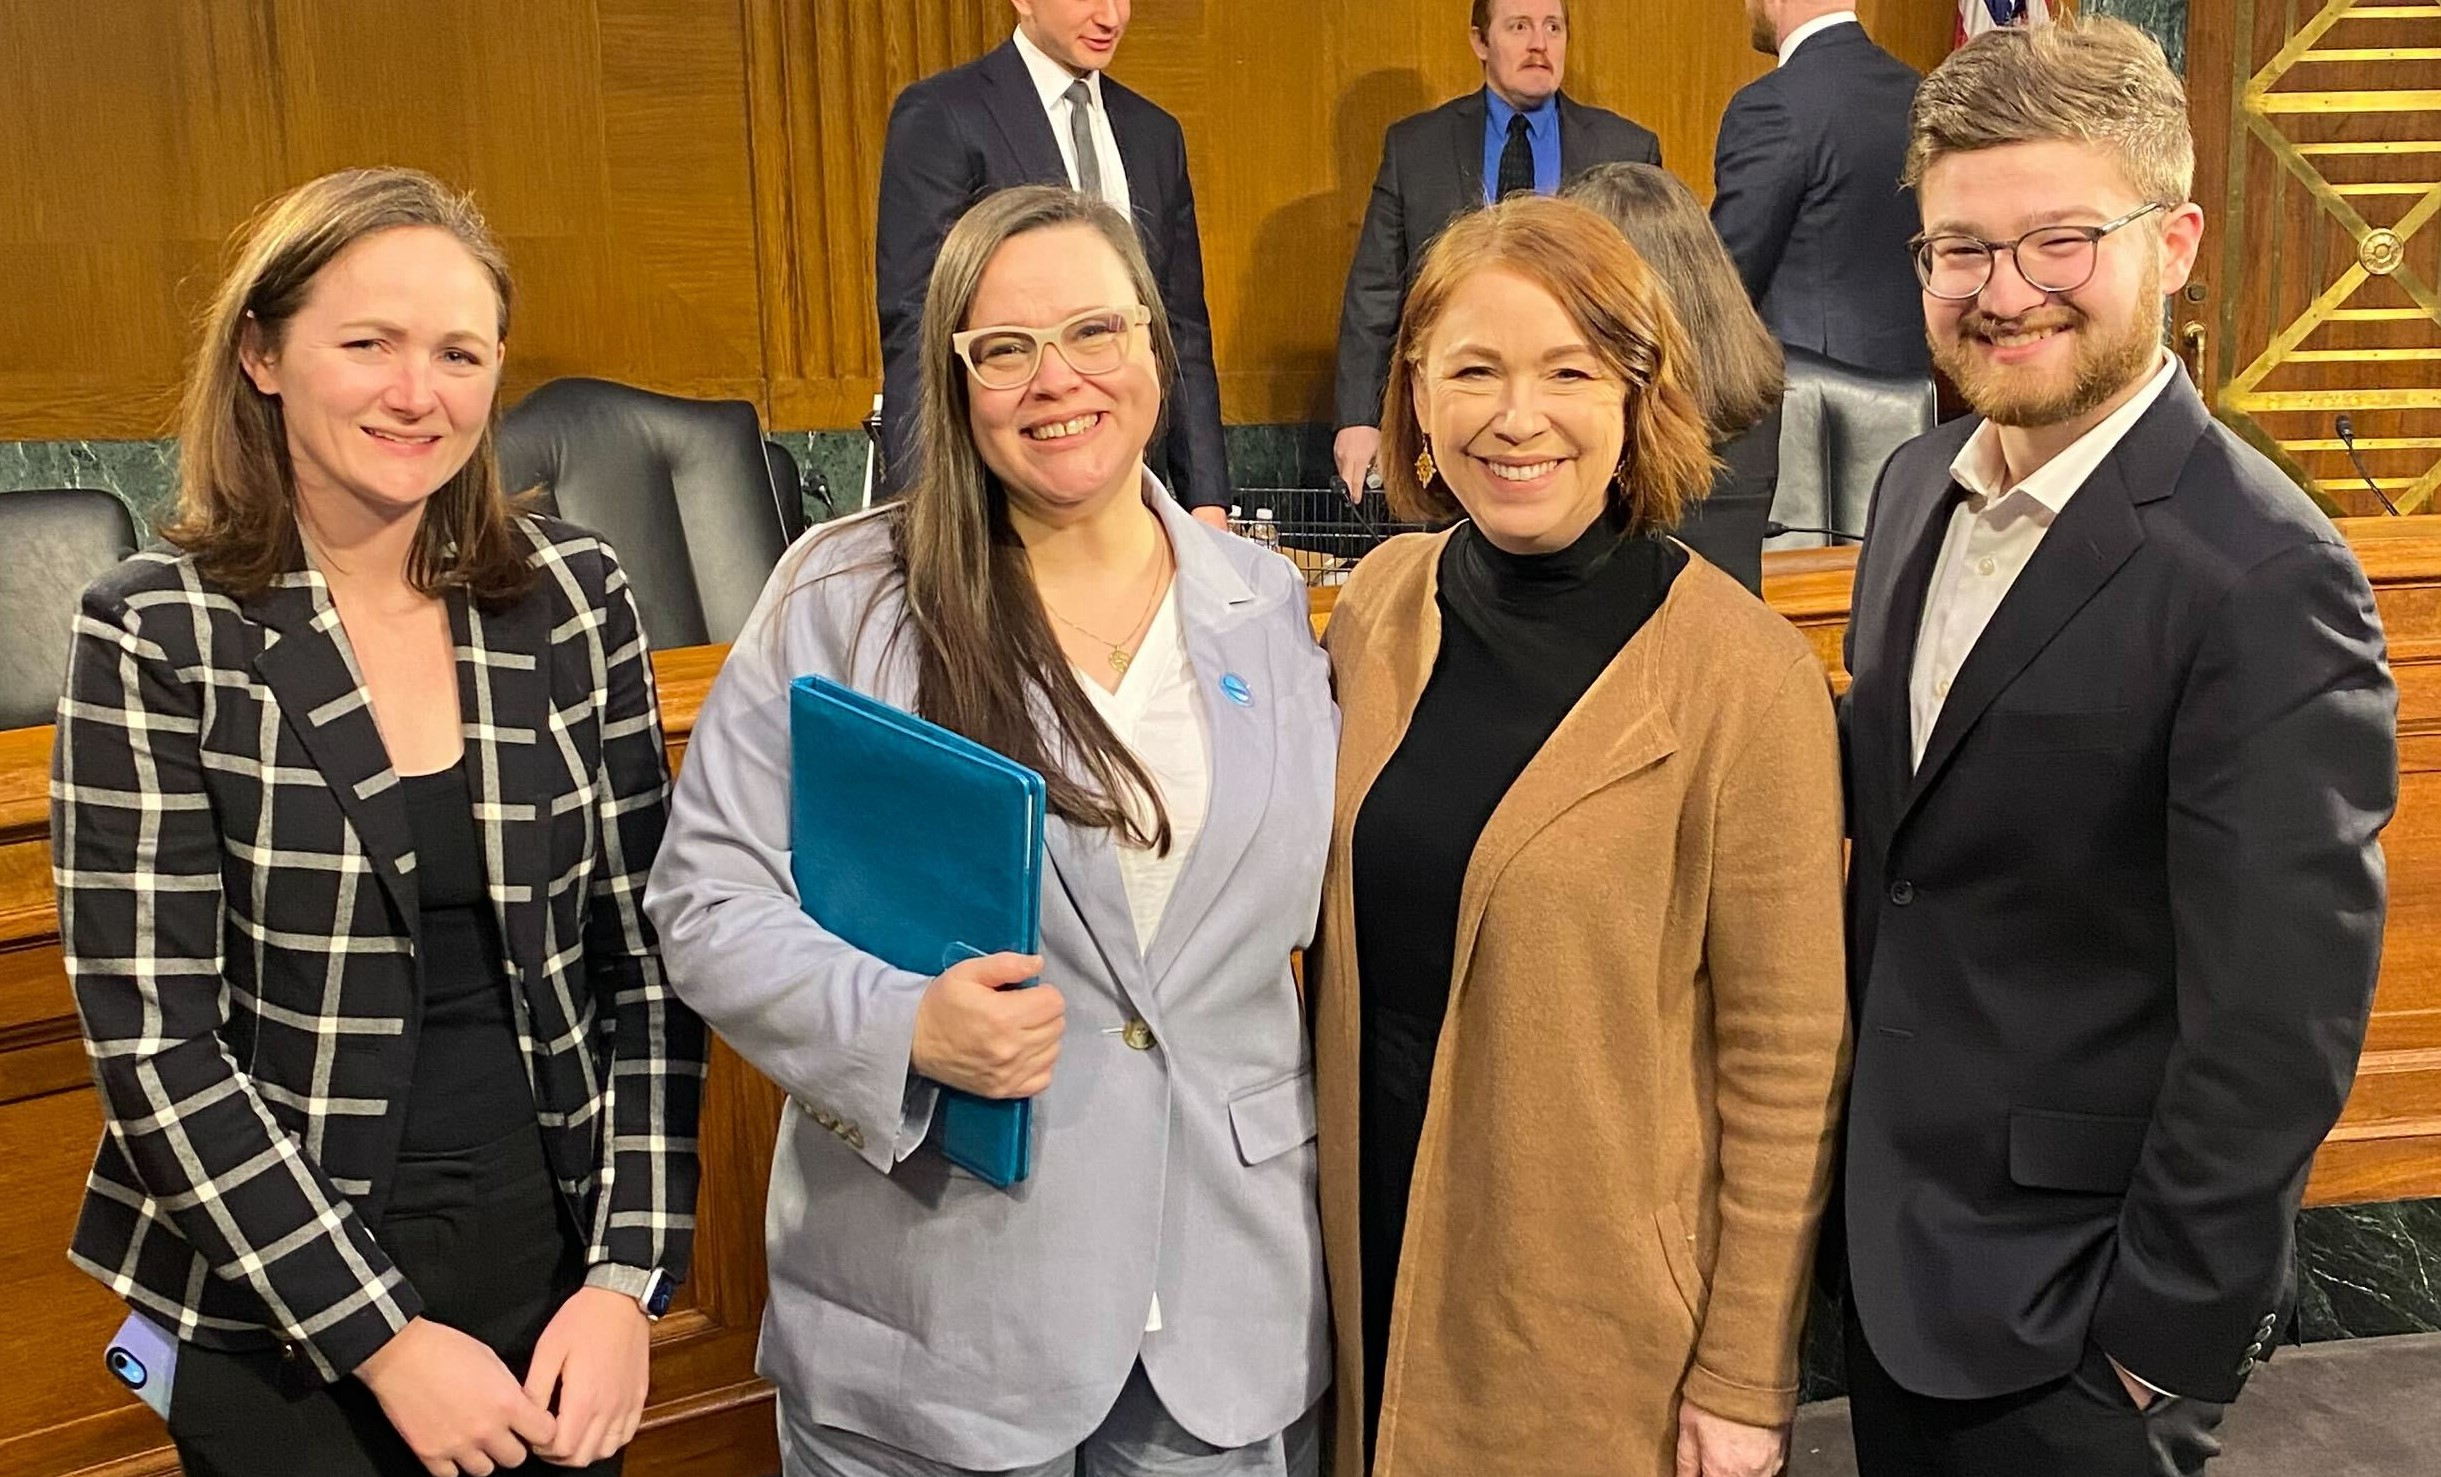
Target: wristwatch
(651, 1289)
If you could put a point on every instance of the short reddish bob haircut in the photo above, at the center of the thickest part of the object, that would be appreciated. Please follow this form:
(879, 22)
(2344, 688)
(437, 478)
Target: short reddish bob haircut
(1616, 302)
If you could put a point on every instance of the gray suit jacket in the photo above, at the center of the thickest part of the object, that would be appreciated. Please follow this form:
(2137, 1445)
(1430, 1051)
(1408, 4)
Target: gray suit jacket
(1432, 173)
(910, 1301)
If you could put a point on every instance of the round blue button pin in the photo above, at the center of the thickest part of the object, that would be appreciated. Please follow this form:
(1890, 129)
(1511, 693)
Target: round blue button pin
(1234, 688)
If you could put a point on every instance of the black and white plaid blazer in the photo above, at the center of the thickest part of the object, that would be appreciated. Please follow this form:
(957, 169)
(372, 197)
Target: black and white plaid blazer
(237, 896)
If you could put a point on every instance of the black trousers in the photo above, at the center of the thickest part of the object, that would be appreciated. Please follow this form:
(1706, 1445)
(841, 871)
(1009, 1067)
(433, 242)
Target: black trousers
(2083, 1425)
(482, 1237)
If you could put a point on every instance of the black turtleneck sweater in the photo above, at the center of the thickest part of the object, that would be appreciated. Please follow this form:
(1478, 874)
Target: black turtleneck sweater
(1522, 638)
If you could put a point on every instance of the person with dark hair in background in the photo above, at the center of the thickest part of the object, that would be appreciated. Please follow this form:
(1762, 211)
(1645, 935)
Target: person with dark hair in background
(1737, 371)
(2122, 741)
(1041, 109)
(1517, 133)
(354, 793)
(1806, 188)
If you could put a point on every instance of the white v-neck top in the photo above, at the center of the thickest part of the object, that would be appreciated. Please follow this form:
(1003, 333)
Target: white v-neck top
(1158, 713)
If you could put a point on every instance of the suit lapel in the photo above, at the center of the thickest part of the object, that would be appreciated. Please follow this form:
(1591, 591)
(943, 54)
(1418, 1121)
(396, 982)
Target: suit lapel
(1087, 866)
(504, 695)
(1213, 603)
(1617, 728)
(1466, 123)
(312, 672)
(1015, 106)
(1576, 149)
(1918, 535)
(2084, 547)
(1144, 195)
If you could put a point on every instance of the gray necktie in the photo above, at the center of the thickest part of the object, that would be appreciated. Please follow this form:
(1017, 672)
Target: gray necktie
(1080, 131)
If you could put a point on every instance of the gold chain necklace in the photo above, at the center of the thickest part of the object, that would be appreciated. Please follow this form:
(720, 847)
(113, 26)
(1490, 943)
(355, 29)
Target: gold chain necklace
(1120, 656)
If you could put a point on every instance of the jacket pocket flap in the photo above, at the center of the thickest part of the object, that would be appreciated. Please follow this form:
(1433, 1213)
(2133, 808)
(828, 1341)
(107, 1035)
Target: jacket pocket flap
(1272, 1119)
(2074, 1151)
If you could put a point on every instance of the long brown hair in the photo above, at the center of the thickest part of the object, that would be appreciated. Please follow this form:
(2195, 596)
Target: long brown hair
(1740, 371)
(988, 664)
(1615, 301)
(236, 487)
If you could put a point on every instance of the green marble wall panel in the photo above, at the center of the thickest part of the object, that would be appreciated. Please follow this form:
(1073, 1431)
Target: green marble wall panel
(2165, 19)
(143, 473)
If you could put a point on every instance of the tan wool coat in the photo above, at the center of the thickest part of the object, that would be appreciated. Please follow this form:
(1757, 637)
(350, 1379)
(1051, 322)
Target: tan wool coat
(1629, 1134)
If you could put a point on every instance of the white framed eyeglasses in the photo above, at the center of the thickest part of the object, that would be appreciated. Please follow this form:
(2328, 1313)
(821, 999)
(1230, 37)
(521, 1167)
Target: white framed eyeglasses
(1007, 357)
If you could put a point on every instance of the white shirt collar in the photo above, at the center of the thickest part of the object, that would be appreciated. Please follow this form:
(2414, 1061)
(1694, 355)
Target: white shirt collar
(1050, 78)
(1980, 468)
(1810, 29)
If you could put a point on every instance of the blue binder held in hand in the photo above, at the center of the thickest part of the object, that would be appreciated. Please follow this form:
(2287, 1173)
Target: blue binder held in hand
(923, 848)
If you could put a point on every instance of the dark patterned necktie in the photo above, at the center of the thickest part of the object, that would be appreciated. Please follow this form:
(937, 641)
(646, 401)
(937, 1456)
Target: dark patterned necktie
(1516, 160)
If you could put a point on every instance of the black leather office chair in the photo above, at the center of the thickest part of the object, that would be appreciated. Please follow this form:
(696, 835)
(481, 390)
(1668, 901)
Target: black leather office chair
(52, 545)
(788, 486)
(684, 490)
(1838, 425)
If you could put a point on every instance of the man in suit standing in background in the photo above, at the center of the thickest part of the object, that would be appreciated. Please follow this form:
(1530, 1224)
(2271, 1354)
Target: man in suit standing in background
(1518, 132)
(1807, 192)
(2122, 741)
(1039, 110)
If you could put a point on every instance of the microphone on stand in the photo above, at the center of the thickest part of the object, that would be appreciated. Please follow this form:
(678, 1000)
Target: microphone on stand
(2347, 438)
(1773, 528)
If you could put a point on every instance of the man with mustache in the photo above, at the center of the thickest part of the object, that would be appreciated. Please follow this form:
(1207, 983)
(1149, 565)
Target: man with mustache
(1517, 132)
(1038, 110)
(2121, 743)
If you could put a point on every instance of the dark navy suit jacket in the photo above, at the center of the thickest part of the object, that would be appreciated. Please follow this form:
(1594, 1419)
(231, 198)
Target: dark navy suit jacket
(2112, 943)
(1807, 196)
(959, 135)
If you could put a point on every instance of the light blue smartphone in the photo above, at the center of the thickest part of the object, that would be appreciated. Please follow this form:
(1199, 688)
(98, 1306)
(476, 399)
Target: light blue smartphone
(143, 1357)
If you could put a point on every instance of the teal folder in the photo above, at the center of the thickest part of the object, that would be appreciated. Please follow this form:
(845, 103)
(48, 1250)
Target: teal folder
(920, 847)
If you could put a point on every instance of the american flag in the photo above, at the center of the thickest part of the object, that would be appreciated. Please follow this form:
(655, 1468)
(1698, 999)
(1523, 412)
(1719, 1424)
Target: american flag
(1978, 16)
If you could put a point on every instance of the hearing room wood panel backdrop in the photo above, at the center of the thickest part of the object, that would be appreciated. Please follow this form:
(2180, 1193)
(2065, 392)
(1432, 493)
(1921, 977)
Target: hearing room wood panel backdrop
(686, 187)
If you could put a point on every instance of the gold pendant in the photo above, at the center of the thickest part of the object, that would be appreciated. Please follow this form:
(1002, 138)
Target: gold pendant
(1119, 658)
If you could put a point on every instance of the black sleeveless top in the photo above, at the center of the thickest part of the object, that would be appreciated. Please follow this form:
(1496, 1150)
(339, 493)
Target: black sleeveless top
(470, 1083)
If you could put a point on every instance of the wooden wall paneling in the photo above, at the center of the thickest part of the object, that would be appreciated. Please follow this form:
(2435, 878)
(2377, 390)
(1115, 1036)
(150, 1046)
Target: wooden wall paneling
(127, 151)
(822, 78)
(606, 141)
(2319, 172)
(687, 190)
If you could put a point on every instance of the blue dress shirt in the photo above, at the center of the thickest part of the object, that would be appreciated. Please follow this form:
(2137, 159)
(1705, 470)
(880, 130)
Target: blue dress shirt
(1542, 136)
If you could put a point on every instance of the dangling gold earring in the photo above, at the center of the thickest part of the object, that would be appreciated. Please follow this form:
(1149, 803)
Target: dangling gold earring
(1424, 468)
(1620, 477)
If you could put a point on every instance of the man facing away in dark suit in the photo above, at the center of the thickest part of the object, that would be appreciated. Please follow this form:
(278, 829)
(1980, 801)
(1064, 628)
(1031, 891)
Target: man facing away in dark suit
(1039, 110)
(2121, 744)
(1806, 188)
(1518, 132)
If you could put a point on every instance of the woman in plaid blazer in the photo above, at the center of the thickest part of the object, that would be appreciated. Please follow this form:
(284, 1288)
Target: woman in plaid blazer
(355, 791)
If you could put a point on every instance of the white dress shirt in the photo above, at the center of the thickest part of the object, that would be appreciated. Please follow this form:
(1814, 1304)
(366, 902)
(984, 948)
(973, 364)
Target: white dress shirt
(1051, 82)
(1806, 32)
(1991, 536)
(1158, 713)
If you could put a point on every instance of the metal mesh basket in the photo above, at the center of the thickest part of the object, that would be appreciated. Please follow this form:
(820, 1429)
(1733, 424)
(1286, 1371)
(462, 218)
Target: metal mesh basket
(1319, 530)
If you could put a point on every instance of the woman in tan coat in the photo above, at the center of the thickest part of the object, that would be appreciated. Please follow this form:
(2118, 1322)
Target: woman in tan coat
(1579, 1017)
